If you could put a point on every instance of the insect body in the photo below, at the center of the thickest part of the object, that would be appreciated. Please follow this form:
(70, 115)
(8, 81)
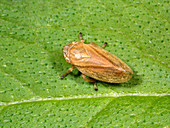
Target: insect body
(95, 62)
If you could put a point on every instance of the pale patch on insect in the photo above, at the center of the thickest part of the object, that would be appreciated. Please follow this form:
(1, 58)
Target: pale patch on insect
(67, 49)
(121, 69)
(78, 56)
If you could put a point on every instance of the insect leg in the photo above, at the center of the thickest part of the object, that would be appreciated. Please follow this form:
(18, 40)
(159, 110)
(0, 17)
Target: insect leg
(90, 80)
(69, 70)
(81, 38)
(104, 45)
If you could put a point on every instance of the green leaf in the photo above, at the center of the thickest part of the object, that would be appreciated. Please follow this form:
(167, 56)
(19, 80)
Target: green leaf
(32, 35)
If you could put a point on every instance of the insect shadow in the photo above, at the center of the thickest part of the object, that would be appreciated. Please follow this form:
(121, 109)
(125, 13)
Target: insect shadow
(134, 81)
(57, 60)
(59, 64)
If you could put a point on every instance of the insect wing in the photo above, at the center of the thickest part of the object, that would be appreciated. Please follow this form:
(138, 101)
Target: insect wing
(116, 62)
(86, 56)
(95, 62)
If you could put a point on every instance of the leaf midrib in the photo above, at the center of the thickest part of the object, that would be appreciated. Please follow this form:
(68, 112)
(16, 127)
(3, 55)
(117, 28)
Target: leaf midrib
(84, 97)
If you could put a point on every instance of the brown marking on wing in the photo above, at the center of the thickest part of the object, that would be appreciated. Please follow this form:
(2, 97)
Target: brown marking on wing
(112, 58)
(110, 75)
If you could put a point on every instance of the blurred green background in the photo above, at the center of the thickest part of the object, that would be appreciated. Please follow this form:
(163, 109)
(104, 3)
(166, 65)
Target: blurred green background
(32, 35)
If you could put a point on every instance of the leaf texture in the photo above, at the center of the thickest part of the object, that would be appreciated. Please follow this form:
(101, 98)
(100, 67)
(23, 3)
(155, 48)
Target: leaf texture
(32, 35)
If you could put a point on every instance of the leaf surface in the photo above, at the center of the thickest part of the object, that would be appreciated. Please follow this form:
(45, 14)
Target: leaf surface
(32, 35)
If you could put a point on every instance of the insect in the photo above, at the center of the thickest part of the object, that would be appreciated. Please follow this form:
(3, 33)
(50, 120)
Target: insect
(96, 63)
